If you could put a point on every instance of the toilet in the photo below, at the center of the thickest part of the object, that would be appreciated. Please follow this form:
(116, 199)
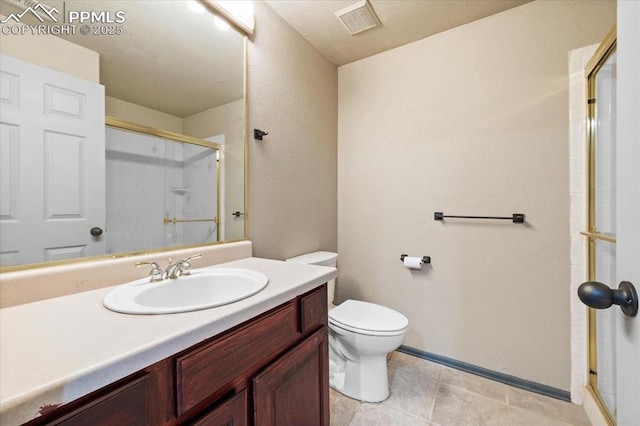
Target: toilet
(361, 335)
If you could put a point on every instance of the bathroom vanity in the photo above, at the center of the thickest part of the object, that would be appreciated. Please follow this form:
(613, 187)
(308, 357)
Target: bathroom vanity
(263, 360)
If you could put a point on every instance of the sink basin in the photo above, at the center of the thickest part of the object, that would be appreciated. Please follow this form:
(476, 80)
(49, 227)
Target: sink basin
(203, 289)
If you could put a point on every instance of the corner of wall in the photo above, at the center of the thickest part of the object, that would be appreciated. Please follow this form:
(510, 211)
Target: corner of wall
(292, 94)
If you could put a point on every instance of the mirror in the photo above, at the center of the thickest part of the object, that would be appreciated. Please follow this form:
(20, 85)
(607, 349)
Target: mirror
(123, 129)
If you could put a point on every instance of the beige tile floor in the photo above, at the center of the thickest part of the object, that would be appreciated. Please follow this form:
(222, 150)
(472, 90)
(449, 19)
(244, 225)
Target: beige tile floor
(425, 393)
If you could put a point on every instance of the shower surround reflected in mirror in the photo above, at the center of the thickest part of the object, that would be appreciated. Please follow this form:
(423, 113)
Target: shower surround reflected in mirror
(175, 198)
(168, 68)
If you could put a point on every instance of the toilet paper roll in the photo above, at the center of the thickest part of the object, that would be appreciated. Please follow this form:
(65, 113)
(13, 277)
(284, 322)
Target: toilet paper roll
(413, 262)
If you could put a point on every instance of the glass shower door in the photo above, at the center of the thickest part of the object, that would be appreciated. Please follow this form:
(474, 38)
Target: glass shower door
(192, 209)
(602, 221)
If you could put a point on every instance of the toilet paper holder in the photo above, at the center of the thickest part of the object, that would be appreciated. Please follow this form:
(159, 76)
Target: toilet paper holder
(425, 259)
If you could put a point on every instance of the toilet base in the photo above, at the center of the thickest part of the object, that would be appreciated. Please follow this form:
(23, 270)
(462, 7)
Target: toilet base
(366, 380)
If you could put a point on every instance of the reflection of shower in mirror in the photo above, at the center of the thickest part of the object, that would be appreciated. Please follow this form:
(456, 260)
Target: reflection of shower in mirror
(175, 200)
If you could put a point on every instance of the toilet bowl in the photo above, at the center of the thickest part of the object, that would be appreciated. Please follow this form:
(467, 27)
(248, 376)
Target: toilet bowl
(361, 334)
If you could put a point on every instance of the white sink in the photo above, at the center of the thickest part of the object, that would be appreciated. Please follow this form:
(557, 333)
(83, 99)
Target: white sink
(203, 289)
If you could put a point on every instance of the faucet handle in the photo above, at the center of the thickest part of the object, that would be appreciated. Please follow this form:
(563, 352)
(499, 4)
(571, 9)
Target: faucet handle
(155, 273)
(185, 265)
(195, 256)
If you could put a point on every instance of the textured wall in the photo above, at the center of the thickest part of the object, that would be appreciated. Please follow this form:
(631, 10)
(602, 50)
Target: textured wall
(471, 121)
(292, 94)
(228, 120)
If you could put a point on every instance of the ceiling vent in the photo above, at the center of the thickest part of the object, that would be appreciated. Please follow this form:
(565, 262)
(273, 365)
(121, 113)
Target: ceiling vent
(358, 17)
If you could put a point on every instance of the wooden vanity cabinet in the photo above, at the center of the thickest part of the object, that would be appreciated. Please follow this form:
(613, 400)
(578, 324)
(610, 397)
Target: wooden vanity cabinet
(126, 404)
(293, 389)
(270, 370)
(232, 412)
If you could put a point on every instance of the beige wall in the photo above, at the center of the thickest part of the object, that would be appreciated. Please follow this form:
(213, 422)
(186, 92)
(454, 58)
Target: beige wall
(292, 92)
(53, 52)
(473, 121)
(138, 114)
(226, 119)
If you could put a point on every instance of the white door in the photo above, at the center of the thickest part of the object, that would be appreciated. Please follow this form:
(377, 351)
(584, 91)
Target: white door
(628, 209)
(52, 161)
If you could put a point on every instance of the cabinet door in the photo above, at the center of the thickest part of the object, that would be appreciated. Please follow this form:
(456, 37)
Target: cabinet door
(126, 405)
(231, 413)
(294, 390)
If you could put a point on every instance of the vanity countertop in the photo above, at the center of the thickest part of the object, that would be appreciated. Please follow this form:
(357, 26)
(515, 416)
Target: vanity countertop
(57, 350)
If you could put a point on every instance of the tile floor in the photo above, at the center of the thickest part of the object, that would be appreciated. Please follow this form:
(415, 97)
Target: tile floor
(425, 393)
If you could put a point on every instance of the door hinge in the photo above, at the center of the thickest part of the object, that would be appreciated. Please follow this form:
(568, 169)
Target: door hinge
(593, 372)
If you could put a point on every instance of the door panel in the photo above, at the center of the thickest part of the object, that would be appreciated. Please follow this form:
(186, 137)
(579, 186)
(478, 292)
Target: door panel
(628, 208)
(614, 215)
(294, 390)
(53, 124)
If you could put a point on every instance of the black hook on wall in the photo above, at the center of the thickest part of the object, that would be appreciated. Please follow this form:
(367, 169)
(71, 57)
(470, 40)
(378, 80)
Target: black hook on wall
(258, 134)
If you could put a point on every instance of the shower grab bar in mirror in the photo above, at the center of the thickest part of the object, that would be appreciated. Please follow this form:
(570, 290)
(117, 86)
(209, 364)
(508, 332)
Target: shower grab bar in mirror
(167, 221)
(515, 217)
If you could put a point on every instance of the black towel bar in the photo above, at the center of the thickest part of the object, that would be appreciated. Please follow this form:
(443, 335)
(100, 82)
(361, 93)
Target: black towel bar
(515, 217)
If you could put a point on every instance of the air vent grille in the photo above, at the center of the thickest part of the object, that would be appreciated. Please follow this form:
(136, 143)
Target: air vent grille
(358, 17)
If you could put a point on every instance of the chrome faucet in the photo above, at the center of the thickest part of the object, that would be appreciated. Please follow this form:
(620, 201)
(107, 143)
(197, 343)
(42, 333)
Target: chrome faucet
(182, 267)
(156, 273)
(173, 271)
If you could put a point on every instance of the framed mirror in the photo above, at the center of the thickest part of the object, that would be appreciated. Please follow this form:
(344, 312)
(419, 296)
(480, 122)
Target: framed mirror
(123, 129)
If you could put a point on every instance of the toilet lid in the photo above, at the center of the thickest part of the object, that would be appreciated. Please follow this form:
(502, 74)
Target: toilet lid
(323, 258)
(355, 314)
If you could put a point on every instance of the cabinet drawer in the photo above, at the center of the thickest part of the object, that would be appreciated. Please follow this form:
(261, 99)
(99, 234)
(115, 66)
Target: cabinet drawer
(206, 370)
(313, 309)
(128, 404)
(231, 412)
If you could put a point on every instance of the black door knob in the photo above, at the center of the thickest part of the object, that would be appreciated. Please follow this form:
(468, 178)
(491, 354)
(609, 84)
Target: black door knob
(237, 214)
(599, 296)
(95, 231)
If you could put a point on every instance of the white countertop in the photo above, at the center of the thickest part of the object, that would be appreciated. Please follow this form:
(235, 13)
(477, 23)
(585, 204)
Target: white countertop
(57, 350)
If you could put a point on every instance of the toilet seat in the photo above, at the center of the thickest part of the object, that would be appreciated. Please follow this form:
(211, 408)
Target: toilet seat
(368, 319)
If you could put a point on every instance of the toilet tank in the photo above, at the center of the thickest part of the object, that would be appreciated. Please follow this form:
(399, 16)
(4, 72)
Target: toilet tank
(322, 258)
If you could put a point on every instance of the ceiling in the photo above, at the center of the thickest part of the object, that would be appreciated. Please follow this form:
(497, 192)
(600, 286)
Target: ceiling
(169, 57)
(152, 62)
(403, 21)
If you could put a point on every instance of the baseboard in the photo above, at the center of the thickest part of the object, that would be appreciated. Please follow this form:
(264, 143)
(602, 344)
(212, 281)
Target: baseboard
(489, 374)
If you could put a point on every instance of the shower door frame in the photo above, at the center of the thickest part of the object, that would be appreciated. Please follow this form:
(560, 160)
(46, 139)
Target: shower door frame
(178, 138)
(606, 49)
